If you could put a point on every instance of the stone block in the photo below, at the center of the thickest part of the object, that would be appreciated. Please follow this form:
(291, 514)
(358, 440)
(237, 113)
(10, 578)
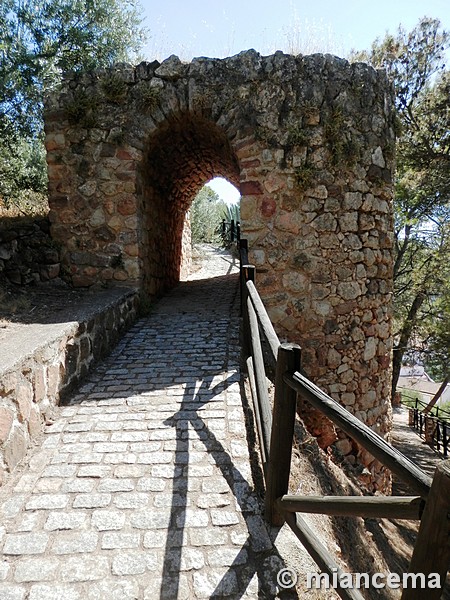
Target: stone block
(127, 206)
(34, 422)
(53, 380)
(6, 421)
(8, 383)
(15, 448)
(344, 446)
(39, 383)
(251, 188)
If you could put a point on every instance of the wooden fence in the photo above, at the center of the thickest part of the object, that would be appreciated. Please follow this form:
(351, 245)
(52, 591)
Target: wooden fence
(266, 357)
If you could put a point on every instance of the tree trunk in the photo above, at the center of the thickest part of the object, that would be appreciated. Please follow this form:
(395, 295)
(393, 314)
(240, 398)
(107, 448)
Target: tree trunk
(405, 334)
(437, 395)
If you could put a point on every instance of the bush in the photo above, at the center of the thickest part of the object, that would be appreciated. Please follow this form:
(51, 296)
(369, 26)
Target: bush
(207, 212)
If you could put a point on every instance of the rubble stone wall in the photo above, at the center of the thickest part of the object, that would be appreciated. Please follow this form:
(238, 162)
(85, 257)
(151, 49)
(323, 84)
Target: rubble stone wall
(27, 251)
(308, 141)
(32, 385)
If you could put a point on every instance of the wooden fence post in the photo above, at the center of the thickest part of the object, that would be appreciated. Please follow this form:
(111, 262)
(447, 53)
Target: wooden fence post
(283, 420)
(248, 274)
(243, 253)
(432, 549)
(431, 425)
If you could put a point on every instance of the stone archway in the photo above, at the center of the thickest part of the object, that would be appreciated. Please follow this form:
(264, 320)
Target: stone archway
(179, 158)
(308, 140)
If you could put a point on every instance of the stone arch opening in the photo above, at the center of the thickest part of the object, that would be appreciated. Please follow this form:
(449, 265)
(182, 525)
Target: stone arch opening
(180, 157)
(309, 142)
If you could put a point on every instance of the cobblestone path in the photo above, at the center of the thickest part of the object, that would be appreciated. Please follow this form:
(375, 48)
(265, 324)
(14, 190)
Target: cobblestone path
(142, 487)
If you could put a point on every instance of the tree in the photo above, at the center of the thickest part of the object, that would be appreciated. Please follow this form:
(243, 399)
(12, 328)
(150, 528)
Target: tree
(416, 63)
(40, 40)
(207, 212)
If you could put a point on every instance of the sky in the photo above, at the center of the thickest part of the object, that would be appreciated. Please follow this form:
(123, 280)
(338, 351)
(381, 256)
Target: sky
(190, 28)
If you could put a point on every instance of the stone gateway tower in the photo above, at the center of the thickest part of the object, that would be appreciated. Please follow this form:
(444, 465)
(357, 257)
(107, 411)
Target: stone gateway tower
(308, 141)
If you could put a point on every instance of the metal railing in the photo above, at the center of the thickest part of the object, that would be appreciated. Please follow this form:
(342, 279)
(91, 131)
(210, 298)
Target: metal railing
(230, 231)
(434, 427)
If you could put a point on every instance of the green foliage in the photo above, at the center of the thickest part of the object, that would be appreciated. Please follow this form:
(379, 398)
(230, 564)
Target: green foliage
(147, 96)
(305, 176)
(83, 109)
(416, 63)
(22, 171)
(231, 212)
(437, 347)
(412, 397)
(115, 88)
(442, 411)
(207, 212)
(343, 148)
(409, 398)
(39, 41)
(297, 136)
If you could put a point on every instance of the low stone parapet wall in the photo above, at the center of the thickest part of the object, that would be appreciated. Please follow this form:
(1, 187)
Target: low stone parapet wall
(41, 363)
(27, 252)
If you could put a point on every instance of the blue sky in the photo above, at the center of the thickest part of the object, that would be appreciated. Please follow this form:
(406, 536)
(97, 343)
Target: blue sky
(219, 29)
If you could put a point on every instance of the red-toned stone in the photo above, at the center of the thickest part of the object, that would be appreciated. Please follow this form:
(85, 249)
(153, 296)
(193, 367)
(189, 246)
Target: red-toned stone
(268, 207)
(252, 162)
(123, 154)
(82, 281)
(8, 383)
(127, 206)
(384, 361)
(53, 380)
(34, 422)
(251, 188)
(39, 384)
(15, 448)
(24, 399)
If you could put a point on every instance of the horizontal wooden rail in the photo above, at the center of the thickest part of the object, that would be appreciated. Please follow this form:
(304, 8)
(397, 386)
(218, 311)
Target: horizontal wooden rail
(262, 393)
(432, 549)
(397, 462)
(319, 554)
(432, 506)
(264, 320)
(372, 507)
(262, 444)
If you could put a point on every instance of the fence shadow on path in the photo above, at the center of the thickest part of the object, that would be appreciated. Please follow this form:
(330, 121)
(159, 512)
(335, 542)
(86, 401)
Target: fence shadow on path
(249, 559)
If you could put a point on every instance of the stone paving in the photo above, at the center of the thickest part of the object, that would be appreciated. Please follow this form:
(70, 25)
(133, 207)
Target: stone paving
(142, 487)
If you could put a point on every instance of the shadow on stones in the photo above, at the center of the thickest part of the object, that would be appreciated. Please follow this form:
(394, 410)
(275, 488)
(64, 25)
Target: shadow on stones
(257, 555)
(254, 561)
